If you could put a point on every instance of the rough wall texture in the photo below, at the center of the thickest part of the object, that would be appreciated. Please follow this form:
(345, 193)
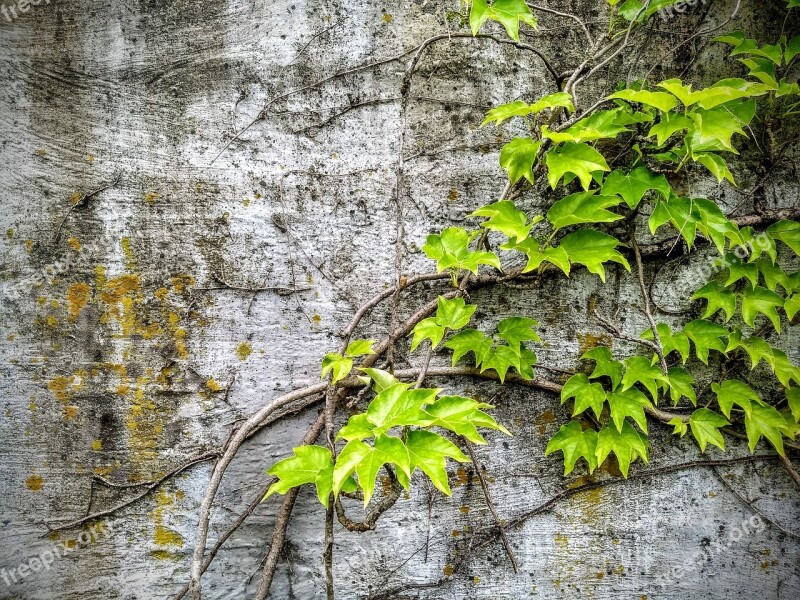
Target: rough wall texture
(116, 364)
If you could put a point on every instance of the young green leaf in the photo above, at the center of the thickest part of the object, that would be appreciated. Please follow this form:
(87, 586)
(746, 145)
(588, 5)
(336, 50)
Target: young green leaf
(733, 391)
(427, 329)
(381, 379)
(454, 313)
(399, 406)
(505, 218)
(586, 394)
(639, 369)
(469, 340)
(310, 464)
(787, 232)
(509, 13)
(760, 300)
(628, 403)
(462, 416)
(670, 124)
(517, 158)
(522, 109)
(428, 451)
(515, 330)
(358, 348)
(718, 298)
(575, 443)
(681, 385)
(793, 398)
(579, 159)
(715, 164)
(705, 426)
(536, 256)
(605, 365)
(592, 248)
(341, 366)
(583, 207)
(767, 422)
(670, 341)
(451, 251)
(358, 427)
(627, 445)
(367, 460)
(660, 100)
(500, 359)
(632, 186)
(706, 336)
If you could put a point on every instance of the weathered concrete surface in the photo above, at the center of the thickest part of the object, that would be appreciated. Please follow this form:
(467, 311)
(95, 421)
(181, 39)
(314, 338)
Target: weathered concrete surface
(115, 364)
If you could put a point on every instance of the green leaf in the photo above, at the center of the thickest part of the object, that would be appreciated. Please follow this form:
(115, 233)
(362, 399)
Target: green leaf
(793, 397)
(341, 366)
(716, 165)
(705, 426)
(715, 128)
(509, 13)
(381, 379)
(773, 275)
(530, 247)
(681, 384)
(428, 451)
(469, 340)
(670, 341)
(682, 213)
(523, 109)
(761, 301)
(792, 306)
(500, 359)
(639, 369)
(733, 391)
(627, 445)
(680, 426)
(583, 207)
(605, 365)
(454, 313)
(785, 371)
(767, 422)
(517, 158)
(579, 159)
(515, 330)
(738, 269)
(574, 443)
(399, 406)
(359, 348)
(787, 232)
(603, 124)
(660, 100)
(505, 218)
(462, 416)
(387, 450)
(310, 464)
(632, 186)
(586, 394)
(628, 403)
(450, 250)
(427, 329)
(706, 336)
(592, 248)
(713, 224)
(670, 123)
(718, 298)
(358, 427)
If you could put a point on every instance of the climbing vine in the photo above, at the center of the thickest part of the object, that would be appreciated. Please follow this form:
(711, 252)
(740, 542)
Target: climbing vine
(610, 173)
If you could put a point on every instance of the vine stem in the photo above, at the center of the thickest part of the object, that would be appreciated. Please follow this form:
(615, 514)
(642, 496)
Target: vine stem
(647, 309)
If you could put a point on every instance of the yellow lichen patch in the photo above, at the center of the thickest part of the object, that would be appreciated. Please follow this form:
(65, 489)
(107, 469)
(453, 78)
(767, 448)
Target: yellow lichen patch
(63, 388)
(28, 246)
(543, 420)
(212, 385)
(316, 318)
(41, 152)
(118, 288)
(74, 243)
(587, 341)
(246, 202)
(97, 445)
(151, 197)
(34, 483)
(387, 18)
(10, 233)
(70, 412)
(161, 293)
(448, 570)
(180, 282)
(90, 158)
(75, 198)
(162, 535)
(244, 350)
(78, 296)
(127, 250)
(100, 276)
